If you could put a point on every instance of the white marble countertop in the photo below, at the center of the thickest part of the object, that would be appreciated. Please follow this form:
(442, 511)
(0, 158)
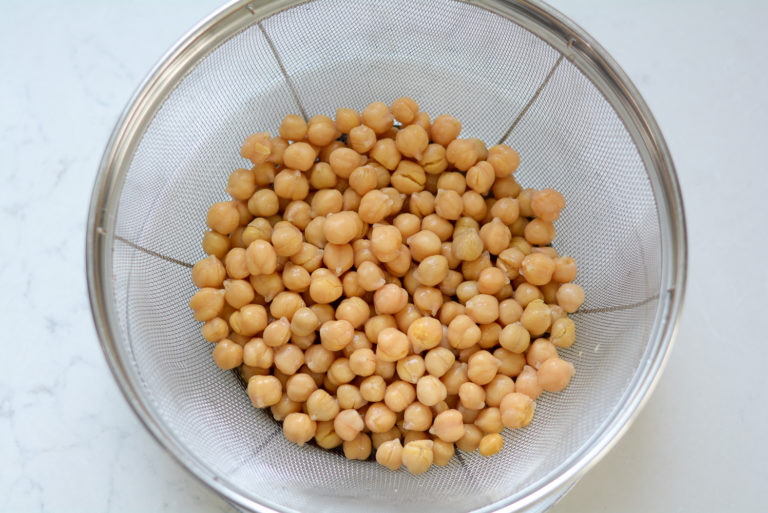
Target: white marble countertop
(69, 442)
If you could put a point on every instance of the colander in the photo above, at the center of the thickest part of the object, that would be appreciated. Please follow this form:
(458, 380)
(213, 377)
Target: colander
(512, 72)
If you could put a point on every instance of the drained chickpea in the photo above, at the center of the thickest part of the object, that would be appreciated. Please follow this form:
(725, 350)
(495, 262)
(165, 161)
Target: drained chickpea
(563, 332)
(372, 388)
(554, 374)
(227, 354)
(385, 242)
(537, 268)
(322, 406)
(455, 377)
(483, 308)
(480, 177)
(293, 128)
(325, 287)
(223, 217)
(472, 396)
(209, 272)
(348, 424)
(215, 329)
(499, 386)
(549, 291)
(443, 452)
(341, 228)
(264, 391)
(570, 297)
(390, 454)
(384, 369)
(417, 417)
(462, 153)
(536, 317)
(299, 428)
(410, 368)
(215, 243)
(489, 420)
(448, 204)
(392, 344)
(511, 363)
(565, 269)
(540, 351)
(321, 130)
(433, 162)
(399, 395)
(379, 418)
(335, 335)
(425, 333)
(418, 456)
(363, 362)
(482, 367)
(257, 354)
(495, 236)
(490, 444)
(276, 334)
(409, 177)
(474, 205)
(503, 159)
(405, 109)
(378, 116)
(509, 312)
(439, 226)
(539, 232)
(409, 224)
(516, 410)
(325, 436)
(288, 358)
(347, 119)
(390, 299)
(471, 439)
(285, 304)
(430, 390)
(467, 245)
(207, 303)
(491, 280)
(546, 204)
(349, 397)
(428, 299)
(370, 276)
(249, 320)
(448, 426)
(284, 407)
(326, 201)
(527, 382)
(451, 282)
(463, 332)
(345, 160)
(432, 270)
(438, 361)
(445, 128)
(375, 205)
(506, 209)
(376, 324)
(525, 293)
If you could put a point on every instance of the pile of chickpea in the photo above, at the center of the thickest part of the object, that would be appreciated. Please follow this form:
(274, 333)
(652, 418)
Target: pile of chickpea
(387, 287)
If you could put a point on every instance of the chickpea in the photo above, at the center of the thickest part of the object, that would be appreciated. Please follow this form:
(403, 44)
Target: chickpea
(433, 160)
(293, 128)
(539, 232)
(482, 367)
(321, 130)
(285, 304)
(385, 242)
(326, 201)
(299, 387)
(489, 420)
(379, 418)
(439, 226)
(276, 334)
(405, 110)
(526, 293)
(376, 324)
(264, 391)
(390, 454)
(425, 333)
(541, 350)
(392, 344)
(372, 388)
(216, 244)
(267, 285)
(503, 159)
(448, 204)
(511, 363)
(378, 117)
(438, 361)
(472, 396)
(499, 386)
(417, 417)
(565, 269)
(359, 341)
(480, 177)
(227, 354)
(223, 217)
(448, 426)
(570, 297)
(325, 287)
(288, 357)
(430, 390)
(527, 382)
(467, 245)
(536, 317)
(322, 177)
(495, 236)
(491, 280)
(537, 268)
(451, 282)
(303, 342)
(349, 397)
(445, 128)
(348, 424)
(546, 204)
(506, 209)
(339, 258)
(563, 332)
(209, 272)
(462, 153)
(509, 312)
(464, 354)
(418, 456)
(483, 308)
(409, 178)
(455, 377)
(249, 320)
(375, 205)
(335, 335)
(257, 354)
(384, 369)
(516, 410)
(215, 329)
(325, 436)
(322, 406)
(555, 374)
(207, 303)
(549, 291)
(474, 205)
(342, 227)
(344, 161)
(284, 407)
(443, 452)
(390, 299)
(261, 258)
(463, 332)
(370, 276)
(490, 444)
(427, 299)
(385, 152)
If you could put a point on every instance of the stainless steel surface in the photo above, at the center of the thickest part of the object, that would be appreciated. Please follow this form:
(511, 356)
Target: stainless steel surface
(503, 68)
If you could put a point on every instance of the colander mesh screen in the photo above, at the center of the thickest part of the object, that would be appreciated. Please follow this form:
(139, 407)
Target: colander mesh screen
(451, 57)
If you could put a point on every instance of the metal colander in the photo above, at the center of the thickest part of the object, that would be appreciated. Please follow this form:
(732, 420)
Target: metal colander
(513, 72)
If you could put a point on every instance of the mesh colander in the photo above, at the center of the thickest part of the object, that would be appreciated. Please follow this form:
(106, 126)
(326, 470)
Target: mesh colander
(513, 72)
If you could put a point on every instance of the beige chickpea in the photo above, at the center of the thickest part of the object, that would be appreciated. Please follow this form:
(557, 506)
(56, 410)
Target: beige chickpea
(411, 141)
(446, 249)
(489, 420)
(565, 269)
(511, 363)
(409, 177)
(509, 312)
(536, 317)
(521, 244)
(495, 236)
(418, 456)
(372, 388)
(261, 258)
(448, 204)
(298, 213)
(480, 177)
(527, 382)
(347, 119)
(503, 159)
(321, 130)
(466, 290)
(516, 410)
(463, 332)
(223, 217)
(276, 334)
(537, 268)
(385, 152)
(410, 283)
(322, 176)
(425, 333)
(439, 226)
(209, 272)
(539, 232)
(207, 303)
(385, 242)
(448, 426)
(376, 324)
(314, 232)
(241, 184)
(417, 417)
(361, 139)
(506, 209)
(264, 391)
(474, 205)
(370, 276)
(570, 297)
(525, 293)
(562, 332)
(257, 354)
(215, 243)
(336, 334)
(354, 311)
(404, 109)
(433, 160)
(390, 454)
(379, 418)
(326, 201)
(498, 387)
(340, 372)
(378, 116)
(227, 354)
(467, 245)
(462, 153)
(471, 439)
(438, 361)
(293, 128)
(348, 424)
(363, 179)
(325, 287)
(291, 184)
(445, 128)
(491, 280)
(506, 187)
(399, 395)
(375, 205)
(400, 265)
(546, 204)
(345, 160)
(410, 368)
(249, 320)
(428, 299)
(430, 390)
(443, 452)
(483, 308)
(464, 354)
(338, 258)
(541, 350)
(424, 244)
(288, 358)
(215, 329)
(299, 387)
(363, 362)
(285, 304)
(341, 227)
(349, 397)
(267, 285)
(432, 270)
(482, 367)
(325, 436)
(509, 261)
(359, 341)
(472, 396)
(549, 291)
(451, 282)
(351, 285)
(555, 374)
(392, 344)
(284, 407)
(322, 406)
(421, 203)
(295, 277)
(455, 377)
(378, 439)
(303, 342)
(390, 299)
(384, 369)
(299, 156)
(490, 444)
(409, 224)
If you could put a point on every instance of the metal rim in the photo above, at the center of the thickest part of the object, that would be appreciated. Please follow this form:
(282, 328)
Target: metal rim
(551, 26)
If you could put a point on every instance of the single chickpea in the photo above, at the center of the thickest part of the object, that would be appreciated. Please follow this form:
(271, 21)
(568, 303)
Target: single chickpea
(521, 244)
(299, 387)
(509, 312)
(378, 116)
(490, 444)
(527, 382)
(446, 249)
(425, 333)
(432, 270)
(295, 277)
(354, 311)
(409, 177)
(325, 436)
(537, 268)
(408, 224)
(509, 261)
(499, 386)
(555, 374)
(480, 177)
(340, 373)
(466, 290)
(361, 139)
(284, 407)
(215, 243)
(345, 160)
(392, 344)
(293, 128)
(433, 160)
(351, 285)
(399, 395)
(385, 242)
(482, 367)
(515, 338)
(249, 320)
(375, 205)
(325, 287)
(299, 156)
(562, 333)
(483, 308)
(227, 354)
(536, 317)
(385, 152)
(438, 361)
(264, 391)
(342, 227)
(215, 329)
(286, 239)
(541, 350)
(326, 201)
(448, 426)
(525, 293)
(417, 417)
(472, 396)
(256, 147)
(418, 456)
(298, 213)
(463, 332)
(549, 291)
(375, 325)
(464, 354)
(565, 269)
(503, 159)
(363, 362)
(379, 418)
(207, 303)
(223, 217)
(267, 285)
(451, 282)
(335, 335)
(423, 244)
(448, 204)
(489, 420)
(390, 454)
(467, 245)
(546, 204)
(411, 141)
(439, 226)
(443, 452)
(430, 390)
(373, 388)
(506, 209)
(539, 232)
(455, 377)
(264, 173)
(285, 304)
(404, 109)
(474, 205)
(428, 299)
(338, 258)
(348, 424)
(261, 258)
(468, 416)
(276, 155)
(370, 276)
(303, 342)
(257, 354)
(379, 439)
(445, 128)
(462, 153)
(347, 119)
(322, 176)
(241, 184)
(276, 334)
(511, 363)
(288, 358)
(516, 410)
(322, 406)
(570, 297)
(496, 236)
(209, 272)
(390, 299)
(422, 119)
(321, 130)
(384, 369)
(359, 341)
(291, 184)
(491, 280)
(349, 397)
(506, 187)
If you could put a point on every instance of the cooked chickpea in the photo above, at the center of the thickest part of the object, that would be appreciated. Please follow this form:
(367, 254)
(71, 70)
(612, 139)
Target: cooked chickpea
(257, 354)
(472, 396)
(215, 329)
(527, 382)
(408, 224)
(491, 280)
(503, 159)
(379, 418)
(264, 391)
(417, 417)
(537, 268)
(516, 410)
(549, 291)
(392, 344)
(288, 357)
(555, 374)
(430, 390)
(341, 227)
(376, 324)
(433, 160)
(425, 333)
(299, 387)
(405, 109)
(385, 152)
(285, 304)
(448, 426)
(322, 406)
(546, 204)
(209, 272)
(409, 177)
(384, 369)
(439, 226)
(256, 147)
(348, 424)
(215, 243)
(432, 270)
(410, 368)
(349, 397)
(284, 407)
(443, 452)
(438, 361)
(325, 287)
(375, 205)
(325, 436)
(490, 444)
(495, 236)
(223, 217)
(335, 335)
(390, 299)
(511, 363)
(428, 299)
(345, 160)
(467, 245)
(293, 128)
(471, 439)
(361, 139)
(482, 367)
(539, 232)
(525, 293)
(276, 334)
(424, 244)
(499, 386)
(326, 201)
(474, 205)
(378, 116)
(565, 269)
(267, 285)
(463, 332)
(227, 354)
(509, 312)
(536, 317)
(451, 282)
(570, 297)
(448, 204)
(372, 388)
(249, 320)
(321, 130)
(445, 128)
(418, 456)
(390, 454)
(563, 332)
(480, 177)
(399, 395)
(455, 377)
(207, 303)
(483, 308)
(385, 242)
